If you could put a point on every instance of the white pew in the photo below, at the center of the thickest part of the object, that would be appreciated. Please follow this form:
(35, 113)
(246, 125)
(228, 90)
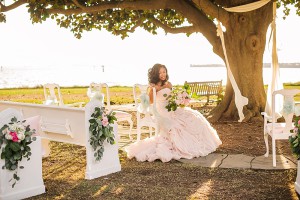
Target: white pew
(71, 125)
(31, 181)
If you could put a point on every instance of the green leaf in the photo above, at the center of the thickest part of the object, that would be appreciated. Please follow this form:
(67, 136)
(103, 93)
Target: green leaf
(14, 119)
(27, 148)
(295, 144)
(15, 146)
(27, 138)
(17, 156)
(13, 167)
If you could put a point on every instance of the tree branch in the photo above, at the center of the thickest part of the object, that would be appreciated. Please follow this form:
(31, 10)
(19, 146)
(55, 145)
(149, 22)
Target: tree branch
(201, 22)
(186, 29)
(132, 5)
(78, 4)
(138, 23)
(213, 10)
(14, 5)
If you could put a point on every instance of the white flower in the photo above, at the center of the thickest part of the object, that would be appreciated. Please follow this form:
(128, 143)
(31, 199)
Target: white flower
(21, 135)
(20, 127)
(13, 127)
(5, 131)
(8, 136)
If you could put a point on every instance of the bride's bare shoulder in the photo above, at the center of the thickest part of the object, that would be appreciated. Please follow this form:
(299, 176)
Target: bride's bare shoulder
(169, 84)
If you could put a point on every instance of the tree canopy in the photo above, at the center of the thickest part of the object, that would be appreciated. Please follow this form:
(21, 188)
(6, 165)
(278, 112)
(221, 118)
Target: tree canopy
(123, 16)
(245, 32)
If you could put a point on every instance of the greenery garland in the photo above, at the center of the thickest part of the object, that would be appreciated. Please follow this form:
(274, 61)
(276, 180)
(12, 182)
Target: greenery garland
(17, 137)
(294, 139)
(100, 129)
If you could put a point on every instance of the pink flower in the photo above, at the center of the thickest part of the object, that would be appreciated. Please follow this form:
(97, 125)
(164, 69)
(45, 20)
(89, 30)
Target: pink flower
(104, 121)
(299, 122)
(178, 101)
(186, 101)
(184, 94)
(14, 136)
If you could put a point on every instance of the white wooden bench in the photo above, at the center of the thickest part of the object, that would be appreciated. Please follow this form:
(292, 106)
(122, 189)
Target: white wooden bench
(208, 88)
(71, 125)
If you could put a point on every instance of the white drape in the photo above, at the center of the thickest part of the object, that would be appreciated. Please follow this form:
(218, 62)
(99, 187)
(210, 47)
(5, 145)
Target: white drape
(248, 7)
(275, 83)
(240, 101)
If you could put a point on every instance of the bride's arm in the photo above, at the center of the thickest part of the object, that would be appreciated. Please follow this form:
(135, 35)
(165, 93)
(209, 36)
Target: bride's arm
(150, 92)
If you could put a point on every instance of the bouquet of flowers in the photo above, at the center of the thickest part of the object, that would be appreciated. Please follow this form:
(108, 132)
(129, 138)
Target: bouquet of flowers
(17, 138)
(100, 130)
(294, 139)
(179, 97)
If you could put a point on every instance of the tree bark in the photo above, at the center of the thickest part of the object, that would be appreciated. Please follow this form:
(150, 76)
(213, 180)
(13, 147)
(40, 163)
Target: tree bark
(245, 40)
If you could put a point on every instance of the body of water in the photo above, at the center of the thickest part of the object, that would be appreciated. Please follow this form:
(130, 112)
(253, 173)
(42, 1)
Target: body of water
(28, 76)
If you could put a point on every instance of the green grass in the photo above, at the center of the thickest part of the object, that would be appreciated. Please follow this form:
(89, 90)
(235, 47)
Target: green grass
(118, 94)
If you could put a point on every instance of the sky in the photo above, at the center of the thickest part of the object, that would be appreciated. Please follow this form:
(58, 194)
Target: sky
(45, 45)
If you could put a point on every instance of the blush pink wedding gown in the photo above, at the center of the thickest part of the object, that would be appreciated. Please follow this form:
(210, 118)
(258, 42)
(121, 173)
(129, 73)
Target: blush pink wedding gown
(183, 133)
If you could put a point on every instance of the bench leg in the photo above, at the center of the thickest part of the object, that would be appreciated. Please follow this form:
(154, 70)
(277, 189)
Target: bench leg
(131, 125)
(45, 148)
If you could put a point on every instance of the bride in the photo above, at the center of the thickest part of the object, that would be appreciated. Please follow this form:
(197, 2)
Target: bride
(184, 133)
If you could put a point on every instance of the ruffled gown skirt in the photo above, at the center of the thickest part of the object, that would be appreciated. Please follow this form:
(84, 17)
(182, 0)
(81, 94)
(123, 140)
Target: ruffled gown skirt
(184, 133)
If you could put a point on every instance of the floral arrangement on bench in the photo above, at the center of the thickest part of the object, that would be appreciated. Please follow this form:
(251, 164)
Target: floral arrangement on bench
(294, 139)
(100, 130)
(17, 137)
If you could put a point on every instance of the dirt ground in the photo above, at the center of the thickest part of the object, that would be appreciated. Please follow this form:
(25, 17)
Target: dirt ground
(64, 171)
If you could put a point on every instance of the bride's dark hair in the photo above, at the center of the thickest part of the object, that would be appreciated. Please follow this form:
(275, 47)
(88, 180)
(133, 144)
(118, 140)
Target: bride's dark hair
(153, 74)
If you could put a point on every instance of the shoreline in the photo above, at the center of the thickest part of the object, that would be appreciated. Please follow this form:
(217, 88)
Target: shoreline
(113, 86)
(265, 65)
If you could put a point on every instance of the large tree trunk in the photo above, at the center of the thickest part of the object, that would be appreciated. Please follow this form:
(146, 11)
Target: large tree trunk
(245, 40)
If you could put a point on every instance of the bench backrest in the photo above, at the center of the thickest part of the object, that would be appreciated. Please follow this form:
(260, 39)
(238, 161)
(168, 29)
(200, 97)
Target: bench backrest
(57, 123)
(205, 88)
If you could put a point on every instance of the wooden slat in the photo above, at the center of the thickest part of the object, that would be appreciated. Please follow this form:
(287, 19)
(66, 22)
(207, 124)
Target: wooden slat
(207, 88)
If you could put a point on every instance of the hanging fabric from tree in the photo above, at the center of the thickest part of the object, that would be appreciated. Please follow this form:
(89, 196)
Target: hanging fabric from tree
(248, 7)
(275, 83)
(240, 101)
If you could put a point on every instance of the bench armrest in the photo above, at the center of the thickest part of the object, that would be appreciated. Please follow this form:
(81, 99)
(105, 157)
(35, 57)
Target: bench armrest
(266, 115)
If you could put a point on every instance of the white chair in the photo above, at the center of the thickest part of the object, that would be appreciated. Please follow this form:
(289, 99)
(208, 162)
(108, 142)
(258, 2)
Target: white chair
(142, 105)
(53, 96)
(279, 131)
(120, 115)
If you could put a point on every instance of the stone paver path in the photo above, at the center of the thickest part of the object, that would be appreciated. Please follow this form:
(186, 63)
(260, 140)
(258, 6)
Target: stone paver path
(237, 161)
